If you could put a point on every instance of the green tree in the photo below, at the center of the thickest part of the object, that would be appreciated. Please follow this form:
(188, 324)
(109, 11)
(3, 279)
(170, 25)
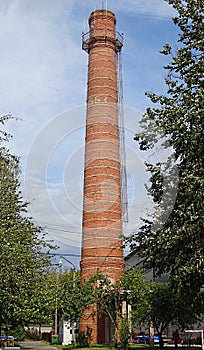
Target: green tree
(112, 301)
(137, 290)
(23, 266)
(108, 299)
(74, 296)
(125, 334)
(167, 305)
(174, 243)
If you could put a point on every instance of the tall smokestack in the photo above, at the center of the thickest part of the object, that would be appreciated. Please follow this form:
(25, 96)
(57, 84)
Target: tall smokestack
(102, 213)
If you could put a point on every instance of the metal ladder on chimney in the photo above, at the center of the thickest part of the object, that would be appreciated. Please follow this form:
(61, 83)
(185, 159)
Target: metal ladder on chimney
(121, 126)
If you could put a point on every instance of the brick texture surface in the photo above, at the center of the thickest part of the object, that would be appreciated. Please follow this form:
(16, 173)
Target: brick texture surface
(102, 226)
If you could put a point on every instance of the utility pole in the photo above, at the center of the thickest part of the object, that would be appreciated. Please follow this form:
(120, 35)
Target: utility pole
(74, 284)
(56, 300)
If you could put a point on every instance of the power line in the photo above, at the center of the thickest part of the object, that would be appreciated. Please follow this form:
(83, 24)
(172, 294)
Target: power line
(61, 230)
(62, 239)
(60, 254)
(49, 227)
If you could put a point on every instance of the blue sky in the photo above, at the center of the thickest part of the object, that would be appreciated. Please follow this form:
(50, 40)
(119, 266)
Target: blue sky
(43, 74)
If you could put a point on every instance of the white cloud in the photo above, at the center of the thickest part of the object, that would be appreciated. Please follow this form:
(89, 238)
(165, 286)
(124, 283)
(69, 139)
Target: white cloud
(38, 72)
(158, 8)
(147, 7)
(155, 8)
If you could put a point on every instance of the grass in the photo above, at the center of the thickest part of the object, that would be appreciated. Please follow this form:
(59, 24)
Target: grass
(133, 346)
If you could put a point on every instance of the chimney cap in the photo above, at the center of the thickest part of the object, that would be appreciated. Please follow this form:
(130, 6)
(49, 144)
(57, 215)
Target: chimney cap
(102, 12)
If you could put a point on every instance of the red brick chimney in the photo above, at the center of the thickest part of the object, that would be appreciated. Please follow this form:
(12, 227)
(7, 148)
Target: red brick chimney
(102, 217)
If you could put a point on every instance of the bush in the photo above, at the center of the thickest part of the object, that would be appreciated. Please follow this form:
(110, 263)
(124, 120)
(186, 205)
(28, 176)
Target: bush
(124, 333)
(32, 336)
(82, 340)
(19, 333)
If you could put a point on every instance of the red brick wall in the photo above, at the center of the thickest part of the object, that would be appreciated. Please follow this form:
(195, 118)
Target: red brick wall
(102, 226)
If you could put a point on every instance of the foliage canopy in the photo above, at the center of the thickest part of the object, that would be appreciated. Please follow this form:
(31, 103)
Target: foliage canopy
(175, 243)
(24, 288)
